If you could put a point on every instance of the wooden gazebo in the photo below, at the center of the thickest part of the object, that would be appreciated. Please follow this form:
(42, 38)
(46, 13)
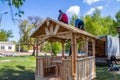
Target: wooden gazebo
(74, 67)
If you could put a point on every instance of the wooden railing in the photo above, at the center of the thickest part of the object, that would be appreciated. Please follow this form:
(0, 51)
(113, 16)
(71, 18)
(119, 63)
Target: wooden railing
(44, 66)
(86, 68)
(66, 69)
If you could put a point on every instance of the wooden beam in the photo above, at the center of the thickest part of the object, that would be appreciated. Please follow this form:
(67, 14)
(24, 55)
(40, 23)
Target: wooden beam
(36, 48)
(51, 29)
(51, 48)
(66, 32)
(86, 45)
(56, 29)
(93, 47)
(48, 22)
(58, 34)
(63, 49)
(39, 43)
(94, 63)
(47, 31)
(74, 52)
(68, 36)
(43, 38)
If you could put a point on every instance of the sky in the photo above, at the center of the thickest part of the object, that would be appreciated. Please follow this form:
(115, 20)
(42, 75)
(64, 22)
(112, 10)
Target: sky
(49, 8)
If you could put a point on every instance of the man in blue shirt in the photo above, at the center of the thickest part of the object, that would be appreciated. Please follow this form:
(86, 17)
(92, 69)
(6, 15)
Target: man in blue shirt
(79, 24)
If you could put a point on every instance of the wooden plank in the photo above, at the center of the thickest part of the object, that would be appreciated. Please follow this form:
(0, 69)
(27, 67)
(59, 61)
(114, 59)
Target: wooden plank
(62, 49)
(66, 36)
(93, 51)
(74, 52)
(51, 48)
(56, 29)
(51, 29)
(47, 31)
(37, 48)
(48, 22)
(93, 47)
(43, 38)
(58, 34)
(86, 44)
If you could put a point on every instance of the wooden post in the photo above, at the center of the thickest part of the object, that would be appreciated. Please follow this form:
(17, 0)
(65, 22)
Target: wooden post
(51, 49)
(37, 62)
(62, 49)
(36, 45)
(93, 47)
(87, 60)
(93, 51)
(74, 52)
(86, 45)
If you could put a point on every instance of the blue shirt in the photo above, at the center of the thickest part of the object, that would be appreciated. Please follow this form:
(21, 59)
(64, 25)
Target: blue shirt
(78, 21)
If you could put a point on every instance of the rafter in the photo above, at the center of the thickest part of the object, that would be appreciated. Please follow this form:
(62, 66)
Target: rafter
(51, 29)
(47, 31)
(48, 22)
(56, 29)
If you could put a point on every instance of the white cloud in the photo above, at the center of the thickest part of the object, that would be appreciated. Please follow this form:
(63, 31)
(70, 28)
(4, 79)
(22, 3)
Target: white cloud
(118, 0)
(90, 1)
(90, 11)
(93, 9)
(100, 7)
(73, 10)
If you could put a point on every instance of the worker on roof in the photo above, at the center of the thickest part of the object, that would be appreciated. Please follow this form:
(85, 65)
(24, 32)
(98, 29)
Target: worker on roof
(63, 17)
(79, 24)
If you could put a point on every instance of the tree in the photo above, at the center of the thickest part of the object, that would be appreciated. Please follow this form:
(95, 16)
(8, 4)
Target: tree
(117, 16)
(5, 35)
(109, 28)
(72, 21)
(35, 21)
(15, 4)
(46, 47)
(54, 46)
(98, 25)
(26, 27)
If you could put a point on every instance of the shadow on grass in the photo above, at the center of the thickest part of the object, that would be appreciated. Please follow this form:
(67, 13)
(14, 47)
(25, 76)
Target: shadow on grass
(20, 73)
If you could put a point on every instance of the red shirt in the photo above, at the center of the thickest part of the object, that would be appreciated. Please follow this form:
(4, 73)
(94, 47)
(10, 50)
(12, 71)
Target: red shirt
(64, 18)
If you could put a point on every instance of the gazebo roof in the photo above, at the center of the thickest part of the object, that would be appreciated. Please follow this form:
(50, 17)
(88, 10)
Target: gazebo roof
(56, 30)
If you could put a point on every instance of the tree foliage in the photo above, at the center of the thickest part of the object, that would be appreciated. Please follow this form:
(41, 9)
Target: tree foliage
(74, 17)
(5, 35)
(26, 27)
(15, 4)
(117, 16)
(98, 25)
(55, 47)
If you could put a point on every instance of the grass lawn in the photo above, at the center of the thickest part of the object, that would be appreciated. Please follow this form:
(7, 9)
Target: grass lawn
(104, 74)
(20, 68)
(23, 68)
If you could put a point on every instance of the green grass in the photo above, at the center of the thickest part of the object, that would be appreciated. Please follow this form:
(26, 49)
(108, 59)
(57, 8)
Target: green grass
(104, 74)
(20, 68)
(23, 68)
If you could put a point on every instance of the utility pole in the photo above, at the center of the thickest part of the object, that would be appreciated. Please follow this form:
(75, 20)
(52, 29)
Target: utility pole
(1, 14)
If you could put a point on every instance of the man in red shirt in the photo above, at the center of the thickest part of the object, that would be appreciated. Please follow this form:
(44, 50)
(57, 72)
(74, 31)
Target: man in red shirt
(63, 17)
